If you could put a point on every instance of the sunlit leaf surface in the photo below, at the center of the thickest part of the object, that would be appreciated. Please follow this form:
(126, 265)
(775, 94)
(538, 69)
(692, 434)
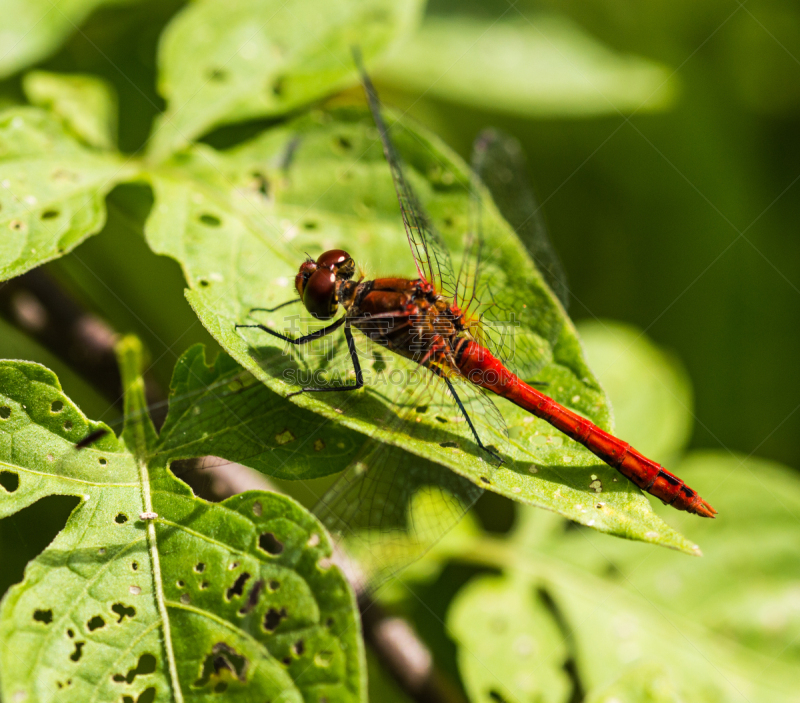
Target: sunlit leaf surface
(191, 601)
(52, 189)
(87, 105)
(225, 62)
(240, 222)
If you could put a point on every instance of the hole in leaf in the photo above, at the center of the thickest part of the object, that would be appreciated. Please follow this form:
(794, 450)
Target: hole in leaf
(274, 585)
(449, 445)
(233, 565)
(323, 658)
(252, 597)
(238, 586)
(299, 647)
(9, 480)
(180, 584)
(102, 461)
(270, 543)
(43, 616)
(273, 618)
(203, 283)
(485, 480)
(211, 220)
(68, 425)
(121, 519)
(441, 419)
(146, 665)
(124, 611)
(422, 409)
(56, 406)
(78, 653)
(313, 541)
(95, 623)
(200, 567)
(222, 658)
(49, 214)
(70, 633)
(204, 585)
(262, 183)
(135, 565)
(5, 412)
(146, 696)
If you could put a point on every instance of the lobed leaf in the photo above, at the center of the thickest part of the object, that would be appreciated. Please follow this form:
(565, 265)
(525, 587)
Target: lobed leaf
(86, 104)
(239, 222)
(237, 597)
(227, 62)
(52, 189)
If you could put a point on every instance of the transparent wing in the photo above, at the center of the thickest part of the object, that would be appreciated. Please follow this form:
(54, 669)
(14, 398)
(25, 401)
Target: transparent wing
(507, 310)
(429, 250)
(499, 162)
(391, 506)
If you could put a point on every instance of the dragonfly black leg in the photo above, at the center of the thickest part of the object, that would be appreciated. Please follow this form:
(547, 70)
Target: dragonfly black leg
(469, 420)
(306, 338)
(351, 347)
(277, 307)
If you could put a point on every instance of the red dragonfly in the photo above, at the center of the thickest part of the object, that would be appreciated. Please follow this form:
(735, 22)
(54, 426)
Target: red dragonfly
(440, 322)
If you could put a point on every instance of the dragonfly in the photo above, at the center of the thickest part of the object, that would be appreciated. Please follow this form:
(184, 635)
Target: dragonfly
(442, 323)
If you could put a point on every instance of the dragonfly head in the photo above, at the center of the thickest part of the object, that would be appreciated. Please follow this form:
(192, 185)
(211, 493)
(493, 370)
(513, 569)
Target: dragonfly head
(316, 281)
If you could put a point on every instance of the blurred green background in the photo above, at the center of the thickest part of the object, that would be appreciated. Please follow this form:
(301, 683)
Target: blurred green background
(662, 141)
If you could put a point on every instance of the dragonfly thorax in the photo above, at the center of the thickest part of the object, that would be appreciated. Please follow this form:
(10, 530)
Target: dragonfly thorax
(317, 281)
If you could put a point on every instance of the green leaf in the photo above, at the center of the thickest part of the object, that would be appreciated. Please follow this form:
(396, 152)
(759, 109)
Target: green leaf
(52, 189)
(33, 29)
(510, 648)
(545, 66)
(150, 593)
(86, 104)
(651, 625)
(227, 62)
(220, 410)
(647, 682)
(239, 223)
(650, 390)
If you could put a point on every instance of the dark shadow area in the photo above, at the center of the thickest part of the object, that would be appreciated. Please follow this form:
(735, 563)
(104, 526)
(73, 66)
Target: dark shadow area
(24, 535)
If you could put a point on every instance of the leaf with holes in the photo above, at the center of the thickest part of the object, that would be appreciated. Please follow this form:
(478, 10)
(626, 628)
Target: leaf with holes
(149, 593)
(226, 62)
(239, 223)
(52, 189)
(86, 104)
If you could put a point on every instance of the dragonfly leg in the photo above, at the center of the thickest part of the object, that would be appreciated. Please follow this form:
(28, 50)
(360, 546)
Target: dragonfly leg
(464, 412)
(306, 338)
(277, 307)
(351, 347)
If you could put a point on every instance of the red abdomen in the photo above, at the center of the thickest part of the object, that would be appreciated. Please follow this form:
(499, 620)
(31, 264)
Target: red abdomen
(483, 369)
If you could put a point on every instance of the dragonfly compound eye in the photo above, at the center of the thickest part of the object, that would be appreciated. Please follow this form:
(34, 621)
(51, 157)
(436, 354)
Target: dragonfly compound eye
(338, 261)
(319, 294)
